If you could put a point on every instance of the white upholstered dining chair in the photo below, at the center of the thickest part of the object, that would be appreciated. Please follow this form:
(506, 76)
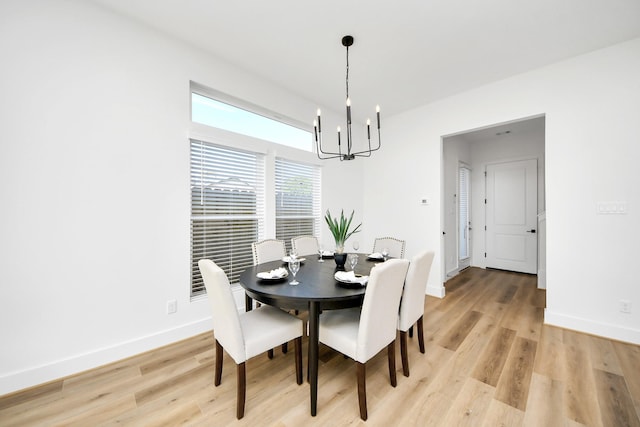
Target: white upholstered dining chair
(305, 245)
(268, 250)
(412, 303)
(362, 333)
(245, 335)
(265, 251)
(393, 245)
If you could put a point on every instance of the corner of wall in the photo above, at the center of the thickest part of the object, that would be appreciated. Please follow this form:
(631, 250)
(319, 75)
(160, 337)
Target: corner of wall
(436, 291)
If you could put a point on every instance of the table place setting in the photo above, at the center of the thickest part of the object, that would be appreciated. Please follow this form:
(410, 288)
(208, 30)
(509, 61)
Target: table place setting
(276, 274)
(379, 256)
(351, 278)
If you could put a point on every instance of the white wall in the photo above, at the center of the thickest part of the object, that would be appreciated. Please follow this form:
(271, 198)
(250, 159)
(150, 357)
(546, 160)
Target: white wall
(94, 183)
(592, 105)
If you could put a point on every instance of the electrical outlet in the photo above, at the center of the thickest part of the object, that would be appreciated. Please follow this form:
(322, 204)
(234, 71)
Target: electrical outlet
(172, 306)
(625, 306)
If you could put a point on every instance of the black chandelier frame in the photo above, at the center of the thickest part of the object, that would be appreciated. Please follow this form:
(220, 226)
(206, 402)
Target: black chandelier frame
(347, 41)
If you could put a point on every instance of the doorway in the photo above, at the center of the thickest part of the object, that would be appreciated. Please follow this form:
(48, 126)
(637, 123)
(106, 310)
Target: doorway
(476, 150)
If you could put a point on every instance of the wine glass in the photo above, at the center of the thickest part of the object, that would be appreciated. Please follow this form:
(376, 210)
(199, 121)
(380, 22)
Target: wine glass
(385, 253)
(356, 246)
(320, 251)
(294, 267)
(353, 261)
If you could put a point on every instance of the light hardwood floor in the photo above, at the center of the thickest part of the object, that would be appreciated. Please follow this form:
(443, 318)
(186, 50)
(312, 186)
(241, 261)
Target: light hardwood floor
(489, 362)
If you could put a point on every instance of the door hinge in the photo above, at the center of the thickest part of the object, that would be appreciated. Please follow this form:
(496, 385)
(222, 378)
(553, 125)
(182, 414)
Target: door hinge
(485, 228)
(485, 201)
(485, 254)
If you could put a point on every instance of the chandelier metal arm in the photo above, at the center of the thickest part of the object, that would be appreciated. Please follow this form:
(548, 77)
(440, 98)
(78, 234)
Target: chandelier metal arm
(349, 155)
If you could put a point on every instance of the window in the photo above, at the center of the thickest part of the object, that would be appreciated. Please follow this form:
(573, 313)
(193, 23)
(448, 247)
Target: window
(245, 187)
(258, 124)
(227, 208)
(297, 200)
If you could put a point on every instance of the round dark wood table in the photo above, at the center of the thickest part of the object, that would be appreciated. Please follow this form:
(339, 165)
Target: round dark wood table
(318, 290)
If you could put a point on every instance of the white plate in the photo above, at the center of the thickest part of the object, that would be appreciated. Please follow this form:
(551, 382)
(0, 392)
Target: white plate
(375, 255)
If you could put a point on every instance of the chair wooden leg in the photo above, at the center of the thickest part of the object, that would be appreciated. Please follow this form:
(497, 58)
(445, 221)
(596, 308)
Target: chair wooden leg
(285, 348)
(403, 353)
(391, 355)
(410, 331)
(242, 390)
(248, 303)
(219, 356)
(298, 351)
(270, 353)
(421, 334)
(362, 389)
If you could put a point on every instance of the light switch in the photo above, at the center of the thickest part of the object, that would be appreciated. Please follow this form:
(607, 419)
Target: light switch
(606, 208)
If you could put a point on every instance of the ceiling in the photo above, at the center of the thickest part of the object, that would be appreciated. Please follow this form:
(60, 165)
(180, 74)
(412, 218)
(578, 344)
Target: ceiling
(406, 53)
(510, 129)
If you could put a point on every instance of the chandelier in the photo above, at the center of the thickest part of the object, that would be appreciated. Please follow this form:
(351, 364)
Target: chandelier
(346, 154)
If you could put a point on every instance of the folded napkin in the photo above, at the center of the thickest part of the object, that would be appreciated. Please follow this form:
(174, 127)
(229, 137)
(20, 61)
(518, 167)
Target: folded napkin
(278, 273)
(350, 277)
(288, 258)
(327, 253)
(376, 255)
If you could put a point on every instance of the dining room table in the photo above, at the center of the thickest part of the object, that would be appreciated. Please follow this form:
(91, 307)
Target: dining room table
(318, 290)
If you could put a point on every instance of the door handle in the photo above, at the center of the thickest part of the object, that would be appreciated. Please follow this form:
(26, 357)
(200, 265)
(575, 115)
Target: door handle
(531, 231)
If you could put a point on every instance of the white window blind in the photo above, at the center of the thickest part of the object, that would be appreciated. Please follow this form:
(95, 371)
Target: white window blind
(227, 208)
(297, 200)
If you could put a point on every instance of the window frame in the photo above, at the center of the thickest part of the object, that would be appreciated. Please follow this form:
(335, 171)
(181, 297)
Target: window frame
(269, 150)
(251, 108)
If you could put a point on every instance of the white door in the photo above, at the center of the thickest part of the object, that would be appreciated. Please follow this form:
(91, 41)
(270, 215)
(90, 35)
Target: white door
(512, 208)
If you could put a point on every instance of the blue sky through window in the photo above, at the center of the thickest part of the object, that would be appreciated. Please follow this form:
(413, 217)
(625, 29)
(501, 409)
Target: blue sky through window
(224, 116)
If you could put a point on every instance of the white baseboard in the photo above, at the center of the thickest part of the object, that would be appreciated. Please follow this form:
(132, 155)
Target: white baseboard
(435, 291)
(20, 380)
(588, 326)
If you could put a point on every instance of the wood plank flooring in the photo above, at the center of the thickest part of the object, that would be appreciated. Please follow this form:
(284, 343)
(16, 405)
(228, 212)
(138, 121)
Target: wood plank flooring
(489, 362)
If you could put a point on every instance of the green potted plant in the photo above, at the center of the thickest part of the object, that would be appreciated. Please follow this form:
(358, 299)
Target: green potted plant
(340, 230)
